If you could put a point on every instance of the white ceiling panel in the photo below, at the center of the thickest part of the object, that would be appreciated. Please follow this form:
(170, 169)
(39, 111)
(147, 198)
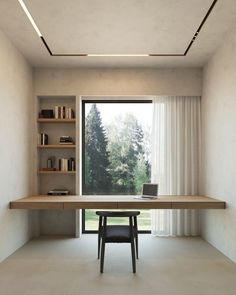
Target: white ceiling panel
(118, 27)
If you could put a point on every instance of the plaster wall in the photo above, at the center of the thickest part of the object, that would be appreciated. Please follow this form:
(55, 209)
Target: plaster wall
(16, 90)
(219, 146)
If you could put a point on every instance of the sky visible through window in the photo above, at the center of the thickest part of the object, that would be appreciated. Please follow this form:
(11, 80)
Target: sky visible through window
(143, 112)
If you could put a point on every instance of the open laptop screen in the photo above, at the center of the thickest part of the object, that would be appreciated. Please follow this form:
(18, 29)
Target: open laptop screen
(150, 189)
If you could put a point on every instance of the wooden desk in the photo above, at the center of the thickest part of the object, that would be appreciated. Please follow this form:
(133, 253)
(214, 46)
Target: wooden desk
(116, 202)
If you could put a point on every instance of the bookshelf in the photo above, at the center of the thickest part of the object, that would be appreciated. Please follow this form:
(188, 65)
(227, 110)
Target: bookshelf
(44, 120)
(55, 172)
(57, 146)
(64, 175)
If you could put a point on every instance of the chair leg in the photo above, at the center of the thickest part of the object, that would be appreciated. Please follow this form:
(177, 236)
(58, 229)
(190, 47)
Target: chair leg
(136, 235)
(132, 245)
(103, 244)
(133, 256)
(102, 256)
(99, 235)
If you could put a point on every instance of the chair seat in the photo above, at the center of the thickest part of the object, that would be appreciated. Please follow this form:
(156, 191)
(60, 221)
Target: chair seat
(117, 234)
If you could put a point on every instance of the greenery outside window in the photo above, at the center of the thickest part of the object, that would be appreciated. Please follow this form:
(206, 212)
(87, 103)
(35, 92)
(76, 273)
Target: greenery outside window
(115, 152)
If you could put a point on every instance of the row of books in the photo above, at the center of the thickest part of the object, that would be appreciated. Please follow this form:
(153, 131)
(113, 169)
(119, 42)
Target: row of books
(63, 112)
(42, 139)
(67, 164)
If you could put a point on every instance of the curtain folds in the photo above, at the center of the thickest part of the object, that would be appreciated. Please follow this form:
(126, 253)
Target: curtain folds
(175, 161)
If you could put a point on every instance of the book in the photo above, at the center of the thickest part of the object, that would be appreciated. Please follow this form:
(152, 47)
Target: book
(42, 139)
(66, 164)
(58, 192)
(63, 112)
(66, 140)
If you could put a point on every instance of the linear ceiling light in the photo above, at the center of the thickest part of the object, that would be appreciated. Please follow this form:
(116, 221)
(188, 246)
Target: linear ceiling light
(117, 55)
(30, 17)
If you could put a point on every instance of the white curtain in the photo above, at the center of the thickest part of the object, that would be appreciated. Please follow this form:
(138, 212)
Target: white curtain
(175, 161)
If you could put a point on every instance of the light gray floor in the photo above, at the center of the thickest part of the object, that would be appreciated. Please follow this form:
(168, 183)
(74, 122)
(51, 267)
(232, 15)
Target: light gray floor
(69, 266)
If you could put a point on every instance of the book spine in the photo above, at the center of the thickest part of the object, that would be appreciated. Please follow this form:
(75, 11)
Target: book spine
(56, 112)
(63, 165)
(43, 139)
(66, 164)
(69, 165)
(46, 139)
(72, 164)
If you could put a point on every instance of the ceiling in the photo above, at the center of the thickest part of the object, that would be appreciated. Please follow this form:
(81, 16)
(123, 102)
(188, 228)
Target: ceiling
(161, 27)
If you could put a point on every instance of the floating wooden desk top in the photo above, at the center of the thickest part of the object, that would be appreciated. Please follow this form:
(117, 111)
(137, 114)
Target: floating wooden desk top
(116, 202)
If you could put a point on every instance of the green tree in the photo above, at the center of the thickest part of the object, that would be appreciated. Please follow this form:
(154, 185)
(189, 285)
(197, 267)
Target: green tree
(99, 181)
(140, 174)
(87, 172)
(125, 144)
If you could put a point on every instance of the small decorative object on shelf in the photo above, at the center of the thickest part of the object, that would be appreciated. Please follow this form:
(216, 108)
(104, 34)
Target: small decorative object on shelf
(46, 114)
(59, 192)
(51, 163)
(66, 140)
(63, 112)
(42, 139)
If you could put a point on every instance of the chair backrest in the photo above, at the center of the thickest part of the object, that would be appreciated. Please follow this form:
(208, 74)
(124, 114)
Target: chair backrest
(150, 189)
(117, 213)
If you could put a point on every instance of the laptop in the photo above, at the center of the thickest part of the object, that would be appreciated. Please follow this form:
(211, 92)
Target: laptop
(150, 191)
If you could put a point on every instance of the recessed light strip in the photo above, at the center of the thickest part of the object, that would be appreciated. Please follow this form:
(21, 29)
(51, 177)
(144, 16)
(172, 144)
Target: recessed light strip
(117, 55)
(30, 17)
(200, 27)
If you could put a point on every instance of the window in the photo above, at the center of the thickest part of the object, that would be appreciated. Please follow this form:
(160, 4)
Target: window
(116, 152)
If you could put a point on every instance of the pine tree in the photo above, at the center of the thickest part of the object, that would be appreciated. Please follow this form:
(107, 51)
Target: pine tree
(96, 149)
(125, 146)
(87, 171)
(140, 174)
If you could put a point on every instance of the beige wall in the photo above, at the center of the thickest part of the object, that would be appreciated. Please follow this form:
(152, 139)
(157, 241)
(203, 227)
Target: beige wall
(219, 146)
(108, 82)
(15, 150)
(118, 81)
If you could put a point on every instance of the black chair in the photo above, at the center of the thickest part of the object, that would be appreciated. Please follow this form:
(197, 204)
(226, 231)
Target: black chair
(117, 233)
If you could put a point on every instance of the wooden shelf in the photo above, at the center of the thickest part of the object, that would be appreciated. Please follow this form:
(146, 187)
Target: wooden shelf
(116, 202)
(57, 146)
(55, 172)
(45, 120)
(55, 128)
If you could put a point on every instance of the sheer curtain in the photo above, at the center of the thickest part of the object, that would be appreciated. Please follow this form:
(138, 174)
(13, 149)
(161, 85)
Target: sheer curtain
(175, 161)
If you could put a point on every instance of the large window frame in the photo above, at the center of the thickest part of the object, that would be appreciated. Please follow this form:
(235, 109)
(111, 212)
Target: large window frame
(97, 101)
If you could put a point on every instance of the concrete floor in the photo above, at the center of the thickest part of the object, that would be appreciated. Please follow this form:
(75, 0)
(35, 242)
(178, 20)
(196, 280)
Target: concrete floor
(69, 266)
